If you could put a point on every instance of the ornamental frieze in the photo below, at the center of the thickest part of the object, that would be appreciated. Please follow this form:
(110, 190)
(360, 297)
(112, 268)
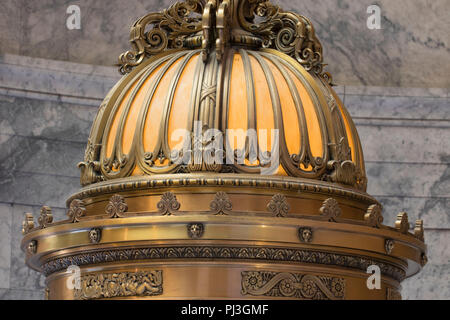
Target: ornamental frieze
(292, 285)
(121, 284)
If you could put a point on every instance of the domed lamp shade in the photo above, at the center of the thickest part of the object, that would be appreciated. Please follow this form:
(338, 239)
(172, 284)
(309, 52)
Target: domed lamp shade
(223, 165)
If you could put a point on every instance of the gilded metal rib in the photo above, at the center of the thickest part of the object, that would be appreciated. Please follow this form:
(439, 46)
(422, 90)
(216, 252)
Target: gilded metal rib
(318, 103)
(138, 146)
(116, 149)
(162, 144)
(304, 155)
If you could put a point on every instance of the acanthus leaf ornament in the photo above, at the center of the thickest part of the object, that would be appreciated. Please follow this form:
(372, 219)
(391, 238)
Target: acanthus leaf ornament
(90, 172)
(90, 168)
(168, 204)
(76, 210)
(221, 204)
(278, 205)
(330, 209)
(418, 230)
(402, 223)
(28, 223)
(116, 206)
(46, 217)
(373, 216)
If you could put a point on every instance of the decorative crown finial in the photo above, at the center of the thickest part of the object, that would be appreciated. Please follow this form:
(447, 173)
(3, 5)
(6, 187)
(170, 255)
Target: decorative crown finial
(216, 24)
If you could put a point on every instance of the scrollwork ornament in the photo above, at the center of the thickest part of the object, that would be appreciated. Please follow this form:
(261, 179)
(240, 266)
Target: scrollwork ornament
(90, 172)
(291, 285)
(330, 209)
(46, 217)
(169, 29)
(402, 223)
(288, 32)
(373, 216)
(278, 205)
(221, 204)
(168, 204)
(344, 172)
(76, 210)
(116, 206)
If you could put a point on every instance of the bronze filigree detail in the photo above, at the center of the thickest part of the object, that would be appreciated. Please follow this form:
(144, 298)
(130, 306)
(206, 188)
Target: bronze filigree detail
(342, 172)
(46, 217)
(264, 24)
(402, 223)
(168, 204)
(389, 245)
(373, 216)
(32, 247)
(305, 234)
(195, 230)
(221, 204)
(288, 32)
(342, 169)
(418, 230)
(90, 168)
(121, 284)
(76, 210)
(95, 235)
(330, 209)
(116, 206)
(90, 172)
(278, 205)
(169, 29)
(292, 285)
(28, 223)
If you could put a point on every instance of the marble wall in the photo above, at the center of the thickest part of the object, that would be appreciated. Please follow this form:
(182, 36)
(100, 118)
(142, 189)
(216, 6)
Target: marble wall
(47, 107)
(410, 50)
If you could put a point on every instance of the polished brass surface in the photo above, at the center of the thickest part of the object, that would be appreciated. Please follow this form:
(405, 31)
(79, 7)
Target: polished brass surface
(149, 225)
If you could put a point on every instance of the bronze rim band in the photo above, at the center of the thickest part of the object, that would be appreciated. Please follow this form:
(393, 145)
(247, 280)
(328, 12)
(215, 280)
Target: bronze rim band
(274, 254)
